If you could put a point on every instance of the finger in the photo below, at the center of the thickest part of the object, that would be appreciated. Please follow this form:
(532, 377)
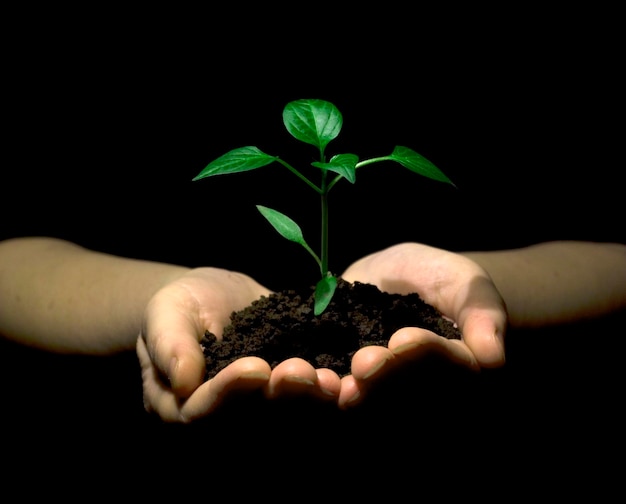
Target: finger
(411, 344)
(369, 364)
(157, 397)
(297, 377)
(407, 347)
(242, 376)
(351, 393)
(484, 332)
(172, 334)
(482, 320)
(329, 383)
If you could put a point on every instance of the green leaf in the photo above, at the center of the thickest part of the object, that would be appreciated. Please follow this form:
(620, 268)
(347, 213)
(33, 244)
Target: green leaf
(418, 164)
(324, 291)
(235, 161)
(285, 226)
(315, 122)
(343, 164)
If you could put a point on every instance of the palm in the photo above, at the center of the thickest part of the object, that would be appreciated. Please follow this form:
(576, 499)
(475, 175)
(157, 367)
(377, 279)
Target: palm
(452, 283)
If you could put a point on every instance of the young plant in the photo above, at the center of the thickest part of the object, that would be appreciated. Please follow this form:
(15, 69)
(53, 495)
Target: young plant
(315, 122)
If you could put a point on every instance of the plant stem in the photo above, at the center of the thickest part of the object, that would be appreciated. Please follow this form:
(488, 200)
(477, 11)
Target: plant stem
(299, 175)
(373, 160)
(324, 243)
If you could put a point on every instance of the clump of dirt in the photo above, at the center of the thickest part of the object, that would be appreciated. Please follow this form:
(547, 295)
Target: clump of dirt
(283, 325)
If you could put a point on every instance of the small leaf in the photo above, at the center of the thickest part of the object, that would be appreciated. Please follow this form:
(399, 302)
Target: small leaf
(236, 160)
(315, 122)
(343, 164)
(285, 226)
(324, 291)
(418, 164)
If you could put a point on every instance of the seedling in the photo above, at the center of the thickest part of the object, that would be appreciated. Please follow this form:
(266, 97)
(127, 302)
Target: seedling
(315, 122)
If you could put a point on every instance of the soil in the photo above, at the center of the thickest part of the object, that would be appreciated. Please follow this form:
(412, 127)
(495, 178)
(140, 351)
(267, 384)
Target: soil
(282, 325)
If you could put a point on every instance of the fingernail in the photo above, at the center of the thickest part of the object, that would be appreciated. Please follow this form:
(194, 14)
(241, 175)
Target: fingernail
(354, 399)
(374, 370)
(299, 380)
(328, 393)
(256, 376)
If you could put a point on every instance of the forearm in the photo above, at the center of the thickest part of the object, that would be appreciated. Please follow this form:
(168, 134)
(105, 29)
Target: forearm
(58, 296)
(558, 282)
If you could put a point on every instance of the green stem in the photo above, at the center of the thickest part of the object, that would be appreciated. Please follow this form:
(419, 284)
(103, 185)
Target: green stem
(312, 252)
(373, 160)
(359, 165)
(333, 182)
(299, 175)
(324, 245)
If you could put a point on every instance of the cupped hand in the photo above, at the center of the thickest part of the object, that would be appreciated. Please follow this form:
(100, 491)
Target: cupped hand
(171, 358)
(458, 287)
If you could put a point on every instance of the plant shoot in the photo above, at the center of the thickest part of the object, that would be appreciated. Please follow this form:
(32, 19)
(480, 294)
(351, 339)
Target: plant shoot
(315, 122)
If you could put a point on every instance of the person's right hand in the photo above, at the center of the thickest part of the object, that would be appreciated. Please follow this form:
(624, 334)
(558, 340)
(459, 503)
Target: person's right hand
(457, 286)
(172, 361)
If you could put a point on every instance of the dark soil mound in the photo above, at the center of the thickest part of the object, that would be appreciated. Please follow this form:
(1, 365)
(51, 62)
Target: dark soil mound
(282, 325)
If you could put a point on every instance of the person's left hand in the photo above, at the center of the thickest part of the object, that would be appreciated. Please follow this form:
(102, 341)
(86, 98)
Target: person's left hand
(458, 287)
(172, 362)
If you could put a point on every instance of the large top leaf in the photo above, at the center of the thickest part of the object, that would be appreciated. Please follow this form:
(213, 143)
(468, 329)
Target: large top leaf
(315, 122)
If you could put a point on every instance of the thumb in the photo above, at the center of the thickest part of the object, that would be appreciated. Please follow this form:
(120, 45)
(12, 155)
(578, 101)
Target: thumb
(482, 321)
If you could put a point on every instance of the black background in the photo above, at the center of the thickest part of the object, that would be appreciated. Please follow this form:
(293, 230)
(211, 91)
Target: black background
(106, 123)
(104, 136)
(108, 163)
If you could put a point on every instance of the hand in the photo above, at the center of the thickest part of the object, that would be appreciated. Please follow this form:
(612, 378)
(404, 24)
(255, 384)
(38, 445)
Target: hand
(458, 287)
(172, 361)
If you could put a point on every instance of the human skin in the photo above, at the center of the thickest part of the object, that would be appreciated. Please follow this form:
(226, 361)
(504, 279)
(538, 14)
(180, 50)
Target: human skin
(61, 297)
(485, 293)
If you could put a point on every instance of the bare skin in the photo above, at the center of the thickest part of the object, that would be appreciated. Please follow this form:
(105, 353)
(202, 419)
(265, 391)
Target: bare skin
(58, 296)
(172, 361)
(61, 297)
(545, 284)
